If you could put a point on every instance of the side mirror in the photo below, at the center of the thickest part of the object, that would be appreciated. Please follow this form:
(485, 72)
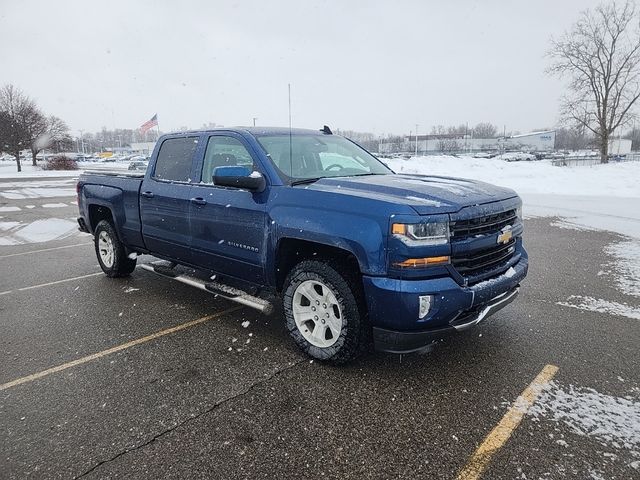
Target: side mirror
(239, 177)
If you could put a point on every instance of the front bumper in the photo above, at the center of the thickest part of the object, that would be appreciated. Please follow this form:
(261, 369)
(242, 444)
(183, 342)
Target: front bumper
(406, 342)
(393, 306)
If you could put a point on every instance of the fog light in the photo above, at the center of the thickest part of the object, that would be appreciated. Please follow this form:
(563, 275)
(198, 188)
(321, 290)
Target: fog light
(425, 305)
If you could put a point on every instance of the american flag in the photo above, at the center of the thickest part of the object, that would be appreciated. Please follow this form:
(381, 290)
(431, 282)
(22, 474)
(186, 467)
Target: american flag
(149, 124)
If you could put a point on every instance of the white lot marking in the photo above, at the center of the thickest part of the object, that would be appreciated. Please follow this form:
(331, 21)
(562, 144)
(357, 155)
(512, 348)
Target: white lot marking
(54, 205)
(4, 226)
(29, 206)
(51, 283)
(626, 267)
(124, 346)
(602, 306)
(44, 250)
(10, 209)
(38, 183)
(496, 439)
(23, 193)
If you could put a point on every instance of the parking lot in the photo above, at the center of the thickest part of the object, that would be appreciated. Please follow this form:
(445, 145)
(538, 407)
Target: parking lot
(147, 378)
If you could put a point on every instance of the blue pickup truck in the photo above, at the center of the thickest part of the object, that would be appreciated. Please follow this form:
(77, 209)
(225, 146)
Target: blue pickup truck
(357, 254)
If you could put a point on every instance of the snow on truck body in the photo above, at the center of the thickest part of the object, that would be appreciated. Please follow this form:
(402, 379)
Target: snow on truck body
(352, 247)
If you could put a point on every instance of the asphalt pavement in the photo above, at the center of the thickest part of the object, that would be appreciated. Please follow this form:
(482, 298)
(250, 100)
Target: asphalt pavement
(143, 393)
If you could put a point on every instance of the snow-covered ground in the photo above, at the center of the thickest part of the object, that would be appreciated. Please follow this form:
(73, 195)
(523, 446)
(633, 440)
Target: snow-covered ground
(541, 177)
(8, 169)
(604, 197)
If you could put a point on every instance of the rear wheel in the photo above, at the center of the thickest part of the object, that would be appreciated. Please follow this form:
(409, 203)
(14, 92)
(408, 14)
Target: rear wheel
(111, 254)
(324, 311)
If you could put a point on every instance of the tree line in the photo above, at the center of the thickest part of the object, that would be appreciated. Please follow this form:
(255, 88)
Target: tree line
(24, 126)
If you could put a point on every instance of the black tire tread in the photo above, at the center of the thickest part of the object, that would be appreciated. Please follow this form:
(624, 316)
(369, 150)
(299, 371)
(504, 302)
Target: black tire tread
(123, 266)
(347, 287)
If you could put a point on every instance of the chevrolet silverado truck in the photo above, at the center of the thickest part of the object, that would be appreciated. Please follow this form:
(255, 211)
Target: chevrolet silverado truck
(357, 254)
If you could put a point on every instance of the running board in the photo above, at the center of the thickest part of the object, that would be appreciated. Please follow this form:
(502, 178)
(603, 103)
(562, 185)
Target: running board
(229, 293)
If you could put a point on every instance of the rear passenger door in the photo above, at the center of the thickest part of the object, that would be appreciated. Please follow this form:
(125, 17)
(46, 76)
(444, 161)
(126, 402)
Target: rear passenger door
(164, 199)
(228, 224)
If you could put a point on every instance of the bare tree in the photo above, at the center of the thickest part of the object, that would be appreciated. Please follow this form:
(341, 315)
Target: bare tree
(485, 130)
(601, 58)
(21, 121)
(51, 130)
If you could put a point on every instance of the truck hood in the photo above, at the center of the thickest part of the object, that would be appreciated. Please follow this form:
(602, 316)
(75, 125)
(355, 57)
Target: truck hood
(427, 195)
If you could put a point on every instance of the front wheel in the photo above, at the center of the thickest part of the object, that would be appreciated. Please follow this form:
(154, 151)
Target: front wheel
(324, 311)
(111, 254)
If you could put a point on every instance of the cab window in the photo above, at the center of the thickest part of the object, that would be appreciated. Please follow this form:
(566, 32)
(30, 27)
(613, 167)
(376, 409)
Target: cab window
(175, 158)
(224, 151)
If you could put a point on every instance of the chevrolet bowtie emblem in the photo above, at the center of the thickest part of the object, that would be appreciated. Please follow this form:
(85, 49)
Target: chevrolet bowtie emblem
(505, 236)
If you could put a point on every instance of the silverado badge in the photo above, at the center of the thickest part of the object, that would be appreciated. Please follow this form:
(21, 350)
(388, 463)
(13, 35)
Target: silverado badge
(505, 236)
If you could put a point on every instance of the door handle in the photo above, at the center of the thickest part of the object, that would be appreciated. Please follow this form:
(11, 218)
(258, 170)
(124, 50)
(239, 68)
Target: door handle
(199, 201)
(147, 194)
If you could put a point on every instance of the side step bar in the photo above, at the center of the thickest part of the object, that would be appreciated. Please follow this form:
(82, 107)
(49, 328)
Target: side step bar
(232, 294)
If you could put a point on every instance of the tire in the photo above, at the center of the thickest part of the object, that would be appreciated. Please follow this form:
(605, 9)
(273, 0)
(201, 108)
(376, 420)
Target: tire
(110, 251)
(324, 311)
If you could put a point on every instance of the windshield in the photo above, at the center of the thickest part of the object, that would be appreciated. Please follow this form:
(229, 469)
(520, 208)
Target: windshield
(300, 157)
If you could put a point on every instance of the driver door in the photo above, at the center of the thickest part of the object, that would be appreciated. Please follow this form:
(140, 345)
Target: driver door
(228, 224)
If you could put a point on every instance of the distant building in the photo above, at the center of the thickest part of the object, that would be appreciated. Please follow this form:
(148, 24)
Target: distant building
(143, 148)
(530, 142)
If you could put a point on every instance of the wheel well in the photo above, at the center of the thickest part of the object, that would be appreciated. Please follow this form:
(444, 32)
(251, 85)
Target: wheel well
(98, 213)
(292, 251)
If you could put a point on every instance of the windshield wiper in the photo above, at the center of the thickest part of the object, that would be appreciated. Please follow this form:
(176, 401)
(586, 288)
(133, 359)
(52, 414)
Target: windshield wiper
(304, 181)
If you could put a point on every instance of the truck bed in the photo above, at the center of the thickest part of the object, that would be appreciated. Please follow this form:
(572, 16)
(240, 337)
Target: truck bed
(116, 192)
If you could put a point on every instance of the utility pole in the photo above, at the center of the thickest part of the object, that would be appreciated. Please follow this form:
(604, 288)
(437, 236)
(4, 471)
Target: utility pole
(82, 140)
(254, 121)
(416, 140)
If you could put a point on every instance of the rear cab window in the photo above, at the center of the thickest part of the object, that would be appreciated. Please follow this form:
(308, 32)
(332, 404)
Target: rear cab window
(175, 159)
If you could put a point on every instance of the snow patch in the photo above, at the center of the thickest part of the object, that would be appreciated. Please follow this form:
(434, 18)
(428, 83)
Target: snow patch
(10, 209)
(602, 306)
(569, 225)
(626, 267)
(613, 421)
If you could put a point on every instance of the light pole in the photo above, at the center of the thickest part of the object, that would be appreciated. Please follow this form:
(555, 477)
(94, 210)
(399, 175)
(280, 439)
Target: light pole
(416, 140)
(82, 140)
(254, 121)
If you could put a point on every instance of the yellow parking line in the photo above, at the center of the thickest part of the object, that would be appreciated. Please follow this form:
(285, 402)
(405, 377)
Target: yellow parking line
(479, 461)
(118, 348)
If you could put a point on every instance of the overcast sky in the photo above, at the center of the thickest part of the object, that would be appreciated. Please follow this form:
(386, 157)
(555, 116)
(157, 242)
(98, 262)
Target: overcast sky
(376, 66)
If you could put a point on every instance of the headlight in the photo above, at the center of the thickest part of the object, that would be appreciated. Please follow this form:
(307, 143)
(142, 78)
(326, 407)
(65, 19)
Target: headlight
(436, 233)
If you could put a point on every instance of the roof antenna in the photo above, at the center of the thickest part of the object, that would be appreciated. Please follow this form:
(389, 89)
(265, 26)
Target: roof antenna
(290, 140)
(326, 130)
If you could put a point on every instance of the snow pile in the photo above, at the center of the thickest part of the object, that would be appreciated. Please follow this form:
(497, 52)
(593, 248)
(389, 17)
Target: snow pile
(540, 177)
(613, 421)
(602, 306)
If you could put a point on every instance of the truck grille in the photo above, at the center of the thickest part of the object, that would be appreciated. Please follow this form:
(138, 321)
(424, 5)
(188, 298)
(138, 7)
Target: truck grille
(477, 265)
(482, 225)
(484, 260)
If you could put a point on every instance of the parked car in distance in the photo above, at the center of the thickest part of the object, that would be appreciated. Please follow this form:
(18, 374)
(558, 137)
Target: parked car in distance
(138, 165)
